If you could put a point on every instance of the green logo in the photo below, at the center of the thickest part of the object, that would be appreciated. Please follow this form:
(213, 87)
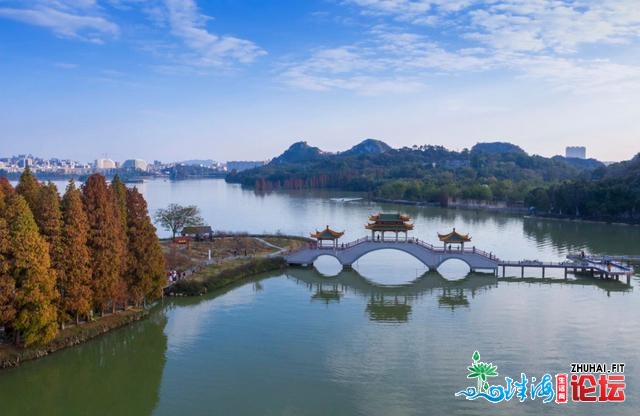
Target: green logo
(481, 371)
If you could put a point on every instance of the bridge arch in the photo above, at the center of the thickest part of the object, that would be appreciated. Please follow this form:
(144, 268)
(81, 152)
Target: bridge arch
(398, 247)
(327, 265)
(454, 257)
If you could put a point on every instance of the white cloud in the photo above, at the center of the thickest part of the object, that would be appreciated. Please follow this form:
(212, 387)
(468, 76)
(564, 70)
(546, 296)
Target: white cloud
(192, 45)
(543, 39)
(413, 11)
(557, 26)
(207, 49)
(388, 62)
(67, 19)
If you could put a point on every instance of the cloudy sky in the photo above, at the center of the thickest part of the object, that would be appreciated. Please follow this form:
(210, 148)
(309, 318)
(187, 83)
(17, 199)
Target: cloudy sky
(234, 79)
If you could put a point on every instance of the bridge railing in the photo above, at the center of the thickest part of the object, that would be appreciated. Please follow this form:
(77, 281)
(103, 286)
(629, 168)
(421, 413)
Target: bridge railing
(538, 263)
(421, 243)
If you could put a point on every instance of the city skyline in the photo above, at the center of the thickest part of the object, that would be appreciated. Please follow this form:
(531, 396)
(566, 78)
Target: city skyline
(184, 79)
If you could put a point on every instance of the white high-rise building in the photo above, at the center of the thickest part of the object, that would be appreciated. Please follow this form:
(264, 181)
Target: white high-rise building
(105, 164)
(136, 164)
(578, 152)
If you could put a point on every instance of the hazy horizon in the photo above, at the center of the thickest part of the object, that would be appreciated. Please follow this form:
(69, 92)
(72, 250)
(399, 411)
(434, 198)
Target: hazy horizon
(184, 79)
(206, 158)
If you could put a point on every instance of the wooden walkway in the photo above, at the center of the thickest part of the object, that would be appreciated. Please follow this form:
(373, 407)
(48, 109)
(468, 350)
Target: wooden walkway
(602, 270)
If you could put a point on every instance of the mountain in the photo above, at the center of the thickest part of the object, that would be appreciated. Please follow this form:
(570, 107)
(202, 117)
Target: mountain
(497, 148)
(367, 147)
(588, 164)
(297, 153)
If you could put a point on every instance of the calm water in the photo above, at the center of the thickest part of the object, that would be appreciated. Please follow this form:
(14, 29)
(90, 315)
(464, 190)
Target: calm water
(388, 338)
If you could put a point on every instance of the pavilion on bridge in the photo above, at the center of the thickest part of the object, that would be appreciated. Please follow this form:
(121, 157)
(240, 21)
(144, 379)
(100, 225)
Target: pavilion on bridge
(327, 235)
(393, 222)
(454, 237)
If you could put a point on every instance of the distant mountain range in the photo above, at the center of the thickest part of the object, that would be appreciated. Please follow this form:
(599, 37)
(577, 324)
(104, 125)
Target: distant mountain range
(302, 152)
(488, 174)
(497, 171)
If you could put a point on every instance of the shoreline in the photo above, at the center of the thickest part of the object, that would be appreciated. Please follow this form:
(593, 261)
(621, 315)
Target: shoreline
(507, 210)
(210, 279)
(484, 208)
(12, 356)
(207, 279)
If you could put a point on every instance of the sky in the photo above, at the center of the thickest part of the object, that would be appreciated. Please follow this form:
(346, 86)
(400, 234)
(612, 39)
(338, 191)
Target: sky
(242, 80)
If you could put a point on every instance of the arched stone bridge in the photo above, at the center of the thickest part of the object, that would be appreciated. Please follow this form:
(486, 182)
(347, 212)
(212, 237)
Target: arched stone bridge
(430, 256)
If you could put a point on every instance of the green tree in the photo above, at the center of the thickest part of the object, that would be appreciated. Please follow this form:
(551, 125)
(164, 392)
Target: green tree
(102, 241)
(35, 296)
(146, 267)
(28, 187)
(75, 276)
(175, 217)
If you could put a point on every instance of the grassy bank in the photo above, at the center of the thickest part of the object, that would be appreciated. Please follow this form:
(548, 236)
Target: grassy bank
(217, 276)
(12, 356)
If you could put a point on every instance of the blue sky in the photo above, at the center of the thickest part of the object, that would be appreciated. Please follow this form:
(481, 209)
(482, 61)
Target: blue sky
(232, 79)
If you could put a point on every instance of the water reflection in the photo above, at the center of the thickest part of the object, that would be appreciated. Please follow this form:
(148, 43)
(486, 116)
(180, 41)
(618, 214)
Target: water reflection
(118, 374)
(453, 298)
(327, 295)
(572, 237)
(394, 303)
(395, 309)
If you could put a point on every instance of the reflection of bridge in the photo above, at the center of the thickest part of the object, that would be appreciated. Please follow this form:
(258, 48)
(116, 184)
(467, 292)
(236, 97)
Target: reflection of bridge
(394, 303)
(477, 260)
(429, 255)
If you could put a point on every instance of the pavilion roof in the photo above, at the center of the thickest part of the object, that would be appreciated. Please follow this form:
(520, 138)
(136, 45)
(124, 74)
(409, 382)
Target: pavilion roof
(389, 227)
(389, 221)
(454, 237)
(390, 217)
(327, 234)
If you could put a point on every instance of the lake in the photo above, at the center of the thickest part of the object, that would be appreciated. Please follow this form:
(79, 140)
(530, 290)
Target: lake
(386, 338)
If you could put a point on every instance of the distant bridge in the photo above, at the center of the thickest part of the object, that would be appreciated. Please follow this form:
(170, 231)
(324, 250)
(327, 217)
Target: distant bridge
(476, 259)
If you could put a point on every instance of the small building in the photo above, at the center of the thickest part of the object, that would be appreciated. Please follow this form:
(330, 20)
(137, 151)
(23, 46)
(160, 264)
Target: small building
(577, 152)
(393, 222)
(327, 235)
(454, 237)
(199, 232)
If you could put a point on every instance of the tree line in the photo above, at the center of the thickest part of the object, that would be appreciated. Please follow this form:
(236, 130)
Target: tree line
(488, 172)
(610, 193)
(64, 259)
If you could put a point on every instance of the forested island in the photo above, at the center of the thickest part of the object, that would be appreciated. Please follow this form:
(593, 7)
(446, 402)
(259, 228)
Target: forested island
(489, 173)
(66, 260)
